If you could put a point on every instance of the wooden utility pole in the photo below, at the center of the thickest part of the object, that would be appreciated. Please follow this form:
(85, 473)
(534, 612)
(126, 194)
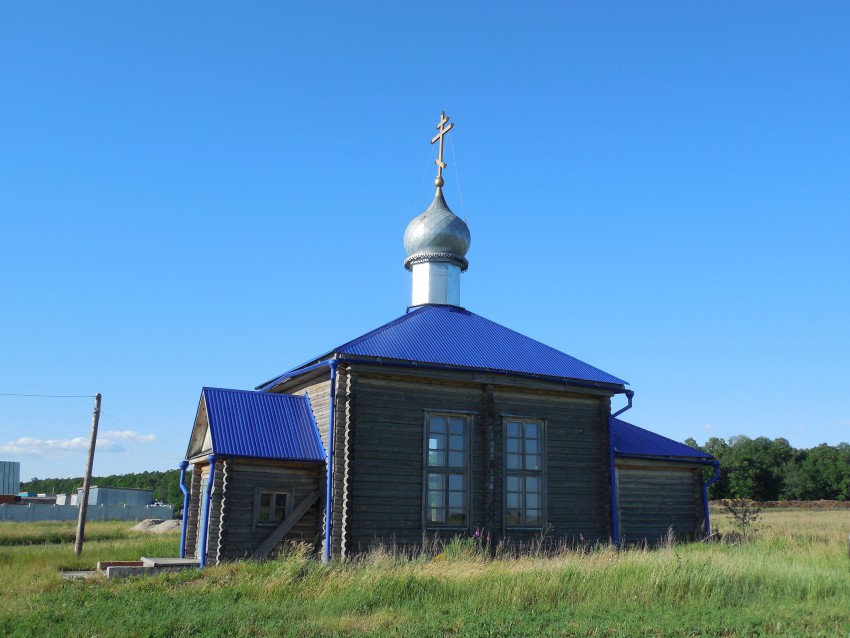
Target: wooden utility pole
(84, 504)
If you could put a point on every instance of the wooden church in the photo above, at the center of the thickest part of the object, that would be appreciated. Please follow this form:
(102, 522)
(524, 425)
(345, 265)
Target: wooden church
(440, 422)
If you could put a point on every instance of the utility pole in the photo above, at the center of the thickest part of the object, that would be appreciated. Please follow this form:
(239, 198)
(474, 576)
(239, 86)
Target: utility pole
(83, 505)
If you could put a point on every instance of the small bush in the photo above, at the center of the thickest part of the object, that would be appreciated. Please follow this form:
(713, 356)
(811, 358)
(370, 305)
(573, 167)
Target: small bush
(743, 515)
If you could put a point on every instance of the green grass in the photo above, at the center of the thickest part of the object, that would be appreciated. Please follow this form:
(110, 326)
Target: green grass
(794, 580)
(59, 532)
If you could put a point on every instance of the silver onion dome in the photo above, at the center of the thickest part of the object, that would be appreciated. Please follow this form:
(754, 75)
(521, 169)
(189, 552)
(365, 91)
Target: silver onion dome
(437, 234)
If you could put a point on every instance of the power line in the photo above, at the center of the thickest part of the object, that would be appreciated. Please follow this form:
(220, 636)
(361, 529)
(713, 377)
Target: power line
(48, 396)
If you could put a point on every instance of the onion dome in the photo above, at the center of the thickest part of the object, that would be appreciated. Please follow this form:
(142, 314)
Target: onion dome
(437, 235)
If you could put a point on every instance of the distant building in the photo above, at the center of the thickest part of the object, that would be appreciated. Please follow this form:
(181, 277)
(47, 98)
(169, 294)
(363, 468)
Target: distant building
(10, 477)
(105, 495)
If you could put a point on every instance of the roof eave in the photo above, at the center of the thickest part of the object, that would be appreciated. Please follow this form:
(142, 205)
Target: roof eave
(657, 457)
(614, 388)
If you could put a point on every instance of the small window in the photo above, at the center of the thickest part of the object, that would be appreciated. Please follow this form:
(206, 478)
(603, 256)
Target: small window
(523, 473)
(270, 507)
(447, 470)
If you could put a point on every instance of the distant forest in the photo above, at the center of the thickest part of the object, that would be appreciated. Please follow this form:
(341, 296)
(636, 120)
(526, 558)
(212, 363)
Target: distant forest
(165, 485)
(771, 470)
(761, 469)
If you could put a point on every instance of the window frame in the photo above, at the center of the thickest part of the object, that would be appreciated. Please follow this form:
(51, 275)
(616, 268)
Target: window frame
(541, 473)
(275, 492)
(469, 418)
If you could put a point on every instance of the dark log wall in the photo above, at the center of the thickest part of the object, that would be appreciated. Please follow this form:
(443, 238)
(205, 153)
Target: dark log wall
(386, 455)
(577, 466)
(655, 496)
(386, 448)
(238, 536)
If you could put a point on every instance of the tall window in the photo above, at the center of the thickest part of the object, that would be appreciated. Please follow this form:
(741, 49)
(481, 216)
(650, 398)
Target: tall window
(447, 470)
(523, 473)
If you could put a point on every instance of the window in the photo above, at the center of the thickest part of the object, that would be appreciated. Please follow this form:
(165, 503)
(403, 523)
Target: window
(447, 470)
(269, 507)
(523, 473)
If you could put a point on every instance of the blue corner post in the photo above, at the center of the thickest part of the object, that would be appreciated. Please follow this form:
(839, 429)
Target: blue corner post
(330, 455)
(183, 466)
(615, 509)
(205, 523)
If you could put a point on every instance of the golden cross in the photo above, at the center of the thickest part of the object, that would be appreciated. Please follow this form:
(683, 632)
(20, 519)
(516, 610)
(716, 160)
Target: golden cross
(439, 136)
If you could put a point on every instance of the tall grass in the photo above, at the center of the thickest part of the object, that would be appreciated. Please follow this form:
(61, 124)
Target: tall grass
(792, 580)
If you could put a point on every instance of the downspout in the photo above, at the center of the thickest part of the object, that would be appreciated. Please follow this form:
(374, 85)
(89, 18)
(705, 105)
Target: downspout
(615, 510)
(205, 524)
(332, 364)
(705, 487)
(183, 466)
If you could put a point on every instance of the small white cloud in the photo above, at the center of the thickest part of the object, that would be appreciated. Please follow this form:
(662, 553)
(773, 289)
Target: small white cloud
(107, 442)
(127, 435)
(707, 427)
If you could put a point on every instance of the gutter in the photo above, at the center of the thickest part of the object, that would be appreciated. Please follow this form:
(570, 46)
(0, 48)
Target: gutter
(297, 372)
(183, 466)
(612, 470)
(205, 524)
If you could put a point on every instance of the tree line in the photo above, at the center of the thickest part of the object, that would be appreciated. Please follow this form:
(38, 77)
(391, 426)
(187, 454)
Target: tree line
(165, 485)
(766, 469)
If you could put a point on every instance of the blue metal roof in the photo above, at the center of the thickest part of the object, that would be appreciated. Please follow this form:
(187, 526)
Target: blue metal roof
(262, 425)
(630, 440)
(452, 336)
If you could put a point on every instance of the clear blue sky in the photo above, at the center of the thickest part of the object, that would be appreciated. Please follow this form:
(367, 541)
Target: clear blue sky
(208, 193)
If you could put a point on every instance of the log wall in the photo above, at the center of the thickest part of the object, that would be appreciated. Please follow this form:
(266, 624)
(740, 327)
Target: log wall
(655, 496)
(386, 454)
(238, 535)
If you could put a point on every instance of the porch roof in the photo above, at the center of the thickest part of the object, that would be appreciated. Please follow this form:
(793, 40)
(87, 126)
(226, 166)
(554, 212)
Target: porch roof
(262, 425)
(630, 440)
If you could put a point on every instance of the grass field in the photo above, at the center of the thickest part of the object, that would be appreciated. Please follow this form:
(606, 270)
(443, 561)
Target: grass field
(793, 580)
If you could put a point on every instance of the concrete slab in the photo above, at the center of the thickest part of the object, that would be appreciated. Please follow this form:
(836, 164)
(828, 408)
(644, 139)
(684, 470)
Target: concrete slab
(170, 562)
(117, 571)
(103, 564)
(79, 575)
(146, 566)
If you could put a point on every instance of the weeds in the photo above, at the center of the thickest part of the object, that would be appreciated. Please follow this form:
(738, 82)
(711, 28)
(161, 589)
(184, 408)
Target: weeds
(790, 580)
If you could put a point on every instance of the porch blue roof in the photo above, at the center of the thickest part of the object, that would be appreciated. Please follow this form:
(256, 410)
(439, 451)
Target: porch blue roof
(449, 336)
(630, 440)
(261, 425)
